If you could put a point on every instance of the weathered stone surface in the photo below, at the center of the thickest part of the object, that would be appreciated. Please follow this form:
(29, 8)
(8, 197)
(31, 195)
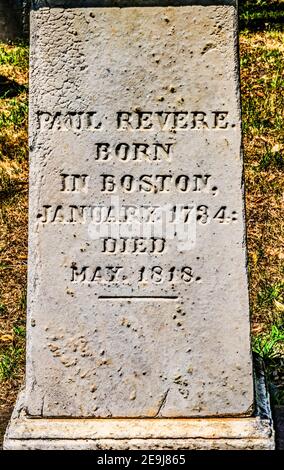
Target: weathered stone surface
(143, 444)
(252, 433)
(136, 106)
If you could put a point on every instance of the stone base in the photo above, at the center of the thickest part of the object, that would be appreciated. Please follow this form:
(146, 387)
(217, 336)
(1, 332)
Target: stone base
(251, 433)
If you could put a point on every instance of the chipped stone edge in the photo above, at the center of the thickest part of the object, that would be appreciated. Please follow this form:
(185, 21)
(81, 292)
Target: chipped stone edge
(247, 433)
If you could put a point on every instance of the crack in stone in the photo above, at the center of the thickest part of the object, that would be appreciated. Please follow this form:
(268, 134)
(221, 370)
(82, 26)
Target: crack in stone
(162, 403)
(42, 406)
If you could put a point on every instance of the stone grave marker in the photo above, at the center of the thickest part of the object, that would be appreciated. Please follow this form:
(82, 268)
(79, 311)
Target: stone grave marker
(137, 284)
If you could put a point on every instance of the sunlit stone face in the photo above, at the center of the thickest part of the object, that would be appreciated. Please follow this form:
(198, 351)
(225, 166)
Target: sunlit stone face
(138, 300)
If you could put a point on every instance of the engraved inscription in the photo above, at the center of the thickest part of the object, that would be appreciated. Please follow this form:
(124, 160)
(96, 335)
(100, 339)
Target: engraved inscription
(133, 245)
(133, 229)
(134, 120)
(144, 275)
(150, 183)
(68, 121)
(82, 214)
(124, 152)
(74, 183)
(108, 274)
(172, 120)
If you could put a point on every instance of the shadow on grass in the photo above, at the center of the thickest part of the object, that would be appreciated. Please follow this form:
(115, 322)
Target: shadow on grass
(4, 419)
(261, 15)
(10, 88)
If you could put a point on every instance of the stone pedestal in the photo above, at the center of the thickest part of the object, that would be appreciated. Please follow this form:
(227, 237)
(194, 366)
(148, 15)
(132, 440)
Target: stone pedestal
(252, 433)
(138, 314)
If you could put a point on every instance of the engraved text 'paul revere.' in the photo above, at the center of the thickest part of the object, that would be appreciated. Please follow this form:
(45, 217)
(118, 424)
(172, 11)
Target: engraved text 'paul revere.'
(133, 121)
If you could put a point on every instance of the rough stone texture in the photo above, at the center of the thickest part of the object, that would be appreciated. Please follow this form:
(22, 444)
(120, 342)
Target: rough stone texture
(144, 444)
(252, 433)
(165, 346)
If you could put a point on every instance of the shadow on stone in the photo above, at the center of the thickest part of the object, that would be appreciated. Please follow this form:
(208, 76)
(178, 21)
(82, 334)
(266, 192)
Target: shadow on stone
(36, 4)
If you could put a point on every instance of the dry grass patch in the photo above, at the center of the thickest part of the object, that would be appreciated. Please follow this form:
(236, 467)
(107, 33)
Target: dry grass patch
(13, 217)
(262, 81)
(262, 57)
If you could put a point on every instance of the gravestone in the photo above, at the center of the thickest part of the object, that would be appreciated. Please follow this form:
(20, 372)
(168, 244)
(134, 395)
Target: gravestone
(137, 296)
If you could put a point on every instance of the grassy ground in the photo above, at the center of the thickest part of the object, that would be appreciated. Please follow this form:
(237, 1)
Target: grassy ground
(262, 78)
(262, 86)
(13, 217)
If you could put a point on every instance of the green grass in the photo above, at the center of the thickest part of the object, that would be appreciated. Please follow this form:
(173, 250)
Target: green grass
(270, 294)
(3, 309)
(19, 330)
(262, 81)
(13, 202)
(13, 116)
(263, 106)
(15, 113)
(271, 158)
(11, 356)
(17, 55)
(270, 347)
(259, 15)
